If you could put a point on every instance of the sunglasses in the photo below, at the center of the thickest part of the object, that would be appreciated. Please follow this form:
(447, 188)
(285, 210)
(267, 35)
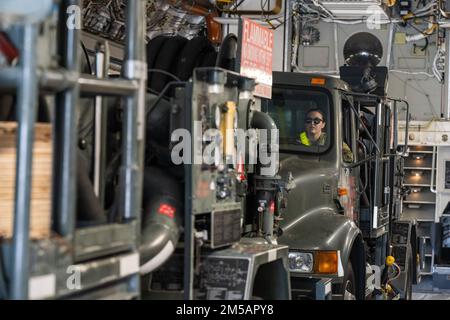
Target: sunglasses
(315, 120)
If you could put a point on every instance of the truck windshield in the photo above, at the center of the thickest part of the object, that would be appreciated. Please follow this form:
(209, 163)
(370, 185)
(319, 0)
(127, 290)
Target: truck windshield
(303, 118)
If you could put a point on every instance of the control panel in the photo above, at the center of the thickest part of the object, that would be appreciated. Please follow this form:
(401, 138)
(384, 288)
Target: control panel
(214, 104)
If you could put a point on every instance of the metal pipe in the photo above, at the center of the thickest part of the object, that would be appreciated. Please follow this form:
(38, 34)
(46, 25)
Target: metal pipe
(188, 259)
(395, 131)
(113, 87)
(377, 194)
(26, 114)
(131, 172)
(390, 42)
(270, 11)
(446, 102)
(433, 167)
(9, 78)
(407, 119)
(49, 80)
(101, 71)
(65, 130)
(58, 80)
(408, 116)
(296, 30)
(336, 52)
(287, 47)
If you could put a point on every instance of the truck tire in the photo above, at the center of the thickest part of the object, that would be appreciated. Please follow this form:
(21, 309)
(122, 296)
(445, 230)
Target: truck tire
(347, 291)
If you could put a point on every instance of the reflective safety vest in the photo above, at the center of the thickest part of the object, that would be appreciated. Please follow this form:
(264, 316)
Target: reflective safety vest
(304, 139)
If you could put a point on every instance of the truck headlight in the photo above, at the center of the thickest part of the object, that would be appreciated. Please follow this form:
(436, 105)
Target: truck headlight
(301, 261)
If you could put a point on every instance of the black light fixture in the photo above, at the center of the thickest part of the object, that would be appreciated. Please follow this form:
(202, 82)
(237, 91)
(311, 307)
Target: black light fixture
(365, 51)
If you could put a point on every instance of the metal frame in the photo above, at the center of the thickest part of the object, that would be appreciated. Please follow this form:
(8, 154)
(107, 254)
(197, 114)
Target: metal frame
(433, 167)
(26, 115)
(66, 85)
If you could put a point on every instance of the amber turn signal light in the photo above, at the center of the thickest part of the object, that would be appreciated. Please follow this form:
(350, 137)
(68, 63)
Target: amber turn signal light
(342, 192)
(318, 81)
(327, 262)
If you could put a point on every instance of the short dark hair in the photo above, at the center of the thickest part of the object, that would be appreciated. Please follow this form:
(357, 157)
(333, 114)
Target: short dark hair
(317, 110)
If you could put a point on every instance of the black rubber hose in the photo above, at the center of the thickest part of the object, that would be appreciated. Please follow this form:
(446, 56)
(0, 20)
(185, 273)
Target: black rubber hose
(162, 218)
(226, 57)
(261, 120)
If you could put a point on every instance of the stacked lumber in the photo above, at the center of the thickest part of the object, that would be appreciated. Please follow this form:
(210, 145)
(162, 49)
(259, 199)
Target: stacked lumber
(40, 208)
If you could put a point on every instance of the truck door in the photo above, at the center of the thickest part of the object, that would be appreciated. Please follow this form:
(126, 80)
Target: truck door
(349, 177)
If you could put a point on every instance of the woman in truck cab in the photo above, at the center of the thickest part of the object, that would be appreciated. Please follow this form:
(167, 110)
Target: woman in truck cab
(314, 135)
(314, 125)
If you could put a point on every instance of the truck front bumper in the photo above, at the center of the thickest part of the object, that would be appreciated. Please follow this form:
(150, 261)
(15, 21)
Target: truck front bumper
(311, 288)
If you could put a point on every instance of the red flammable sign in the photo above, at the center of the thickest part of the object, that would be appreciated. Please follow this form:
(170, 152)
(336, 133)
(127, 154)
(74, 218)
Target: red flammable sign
(256, 55)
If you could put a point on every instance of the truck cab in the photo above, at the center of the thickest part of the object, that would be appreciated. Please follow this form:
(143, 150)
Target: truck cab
(337, 222)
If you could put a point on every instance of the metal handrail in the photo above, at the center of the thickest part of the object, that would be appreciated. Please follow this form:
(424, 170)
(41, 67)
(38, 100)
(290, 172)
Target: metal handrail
(379, 98)
(433, 161)
(357, 164)
(134, 68)
(408, 117)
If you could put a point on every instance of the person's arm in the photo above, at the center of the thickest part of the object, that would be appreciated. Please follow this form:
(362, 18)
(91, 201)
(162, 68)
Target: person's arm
(347, 153)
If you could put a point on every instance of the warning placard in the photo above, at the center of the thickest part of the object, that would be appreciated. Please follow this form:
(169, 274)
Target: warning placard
(256, 53)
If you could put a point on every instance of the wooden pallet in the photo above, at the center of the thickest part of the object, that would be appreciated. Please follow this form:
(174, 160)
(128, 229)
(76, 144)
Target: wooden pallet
(40, 208)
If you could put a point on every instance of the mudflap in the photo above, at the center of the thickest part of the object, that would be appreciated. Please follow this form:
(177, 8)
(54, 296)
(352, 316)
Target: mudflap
(404, 254)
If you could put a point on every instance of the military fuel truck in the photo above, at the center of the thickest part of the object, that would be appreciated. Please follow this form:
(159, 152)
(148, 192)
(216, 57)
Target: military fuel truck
(338, 140)
(335, 234)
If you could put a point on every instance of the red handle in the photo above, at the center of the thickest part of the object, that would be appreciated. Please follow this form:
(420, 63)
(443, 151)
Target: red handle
(7, 48)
